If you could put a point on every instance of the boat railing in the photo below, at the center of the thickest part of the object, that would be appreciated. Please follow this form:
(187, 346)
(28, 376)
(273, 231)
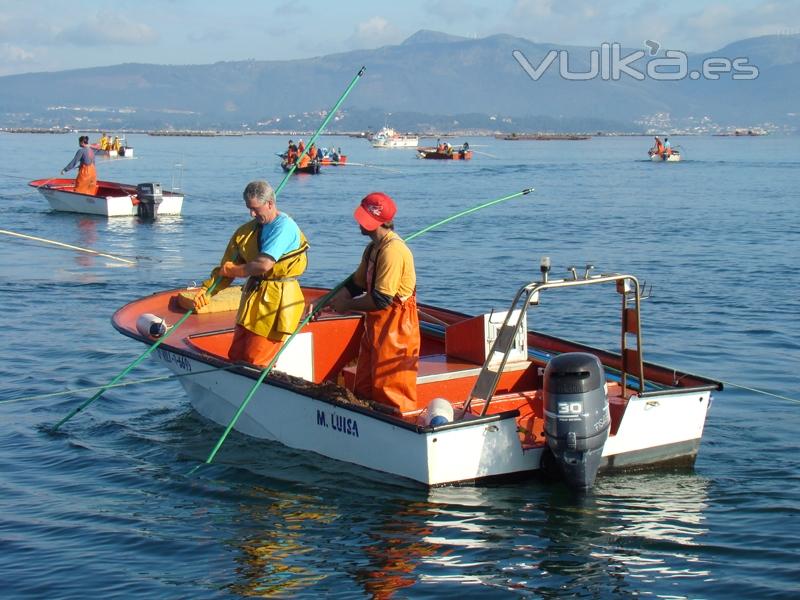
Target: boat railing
(632, 362)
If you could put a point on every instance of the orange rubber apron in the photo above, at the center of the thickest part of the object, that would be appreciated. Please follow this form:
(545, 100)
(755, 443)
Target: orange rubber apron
(86, 181)
(388, 357)
(252, 348)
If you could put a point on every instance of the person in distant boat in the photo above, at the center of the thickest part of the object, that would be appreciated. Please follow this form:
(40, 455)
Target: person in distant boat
(300, 147)
(116, 145)
(291, 153)
(658, 147)
(270, 250)
(86, 181)
(312, 152)
(667, 148)
(384, 287)
(103, 143)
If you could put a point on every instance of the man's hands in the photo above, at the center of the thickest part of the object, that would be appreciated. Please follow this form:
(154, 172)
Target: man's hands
(201, 299)
(340, 303)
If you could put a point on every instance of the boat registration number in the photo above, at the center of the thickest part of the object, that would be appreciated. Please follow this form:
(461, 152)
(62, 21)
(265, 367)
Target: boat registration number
(176, 359)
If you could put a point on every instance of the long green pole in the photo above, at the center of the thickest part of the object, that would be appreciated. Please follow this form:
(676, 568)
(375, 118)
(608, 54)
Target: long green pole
(180, 322)
(320, 305)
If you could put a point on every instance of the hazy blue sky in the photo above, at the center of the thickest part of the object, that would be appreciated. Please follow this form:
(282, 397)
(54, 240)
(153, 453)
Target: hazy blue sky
(50, 35)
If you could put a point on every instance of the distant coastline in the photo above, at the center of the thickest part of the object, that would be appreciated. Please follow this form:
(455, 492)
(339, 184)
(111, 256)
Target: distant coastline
(541, 136)
(535, 136)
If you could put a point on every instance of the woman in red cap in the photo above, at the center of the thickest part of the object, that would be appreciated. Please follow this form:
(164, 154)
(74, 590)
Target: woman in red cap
(384, 287)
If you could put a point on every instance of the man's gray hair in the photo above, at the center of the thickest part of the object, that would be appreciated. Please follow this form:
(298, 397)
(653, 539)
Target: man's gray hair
(260, 190)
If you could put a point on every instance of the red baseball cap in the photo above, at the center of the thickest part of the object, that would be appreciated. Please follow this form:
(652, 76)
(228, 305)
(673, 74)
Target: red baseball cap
(375, 209)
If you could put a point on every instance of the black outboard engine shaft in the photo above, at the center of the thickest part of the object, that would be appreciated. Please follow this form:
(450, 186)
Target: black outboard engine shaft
(576, 415)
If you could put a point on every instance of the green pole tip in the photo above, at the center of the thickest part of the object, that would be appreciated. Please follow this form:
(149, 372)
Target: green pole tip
(527, 191)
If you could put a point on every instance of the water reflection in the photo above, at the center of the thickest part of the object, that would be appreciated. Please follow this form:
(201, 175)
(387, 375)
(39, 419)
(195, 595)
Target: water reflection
(634, 533)
(304, 543)
(270, 561)
(87, 234)
(396, 548)
(632, 529)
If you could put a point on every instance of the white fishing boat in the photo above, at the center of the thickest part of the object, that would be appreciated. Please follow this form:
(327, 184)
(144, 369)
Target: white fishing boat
(112, 150)
(495, 400)
(389, 138)
(111, 199)
(674, 156)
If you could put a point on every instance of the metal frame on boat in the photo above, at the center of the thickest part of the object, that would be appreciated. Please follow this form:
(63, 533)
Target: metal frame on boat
(490, 368)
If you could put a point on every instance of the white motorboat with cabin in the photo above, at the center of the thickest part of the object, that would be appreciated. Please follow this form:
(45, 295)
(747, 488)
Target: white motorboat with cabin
(389, 138)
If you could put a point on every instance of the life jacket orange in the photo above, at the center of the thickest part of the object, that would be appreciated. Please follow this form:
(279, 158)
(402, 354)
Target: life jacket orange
(304, 161)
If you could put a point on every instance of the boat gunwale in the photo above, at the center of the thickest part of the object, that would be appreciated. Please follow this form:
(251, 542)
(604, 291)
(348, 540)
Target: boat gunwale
(254, 373)
(126, 189)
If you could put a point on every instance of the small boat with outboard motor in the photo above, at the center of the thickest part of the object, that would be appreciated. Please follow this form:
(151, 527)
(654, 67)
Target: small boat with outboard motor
(445, 152)
(112, 148)
(312, 168)
(672, 155)
(325, 157)
(111, 199)
(495, 399)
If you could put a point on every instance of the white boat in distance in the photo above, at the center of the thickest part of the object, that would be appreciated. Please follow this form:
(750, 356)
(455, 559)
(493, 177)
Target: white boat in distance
(111, 199)
(508, 401)
(389, 138)
(673, 156)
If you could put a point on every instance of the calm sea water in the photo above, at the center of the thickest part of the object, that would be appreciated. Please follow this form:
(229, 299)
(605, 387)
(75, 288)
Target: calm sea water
(105, 509)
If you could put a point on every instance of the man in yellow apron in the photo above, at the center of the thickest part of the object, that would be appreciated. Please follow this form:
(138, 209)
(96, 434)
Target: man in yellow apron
(270, 251)
(384, 287)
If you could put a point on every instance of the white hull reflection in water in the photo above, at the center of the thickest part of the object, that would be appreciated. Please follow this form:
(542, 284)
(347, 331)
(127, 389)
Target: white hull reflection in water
(632, 529)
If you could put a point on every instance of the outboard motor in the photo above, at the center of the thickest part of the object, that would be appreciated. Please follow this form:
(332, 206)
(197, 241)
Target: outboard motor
(150, 197)
(576, 415)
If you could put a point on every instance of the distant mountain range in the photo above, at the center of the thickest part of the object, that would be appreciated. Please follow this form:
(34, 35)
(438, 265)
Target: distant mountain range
(431, 81)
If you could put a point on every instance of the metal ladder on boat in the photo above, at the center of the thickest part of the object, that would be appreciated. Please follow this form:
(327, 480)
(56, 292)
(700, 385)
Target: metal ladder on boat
(496, 361)
(631, 352)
